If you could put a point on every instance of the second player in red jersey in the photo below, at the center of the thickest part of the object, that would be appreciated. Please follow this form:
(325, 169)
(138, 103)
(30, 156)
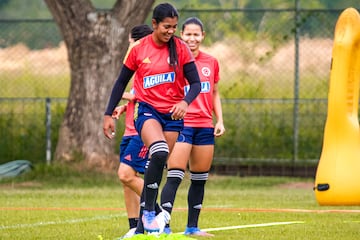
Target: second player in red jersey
(199, 113)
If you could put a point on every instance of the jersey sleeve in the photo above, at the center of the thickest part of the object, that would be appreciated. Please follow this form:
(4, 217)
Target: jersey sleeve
(216, 71)
(130, 57)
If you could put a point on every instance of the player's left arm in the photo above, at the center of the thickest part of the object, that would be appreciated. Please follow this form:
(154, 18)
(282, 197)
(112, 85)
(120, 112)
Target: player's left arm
(219, 126)
(190, 72)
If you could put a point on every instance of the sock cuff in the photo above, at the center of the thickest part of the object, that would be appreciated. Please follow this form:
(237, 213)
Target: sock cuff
(159, 146)
(199, 176)
(176, 173)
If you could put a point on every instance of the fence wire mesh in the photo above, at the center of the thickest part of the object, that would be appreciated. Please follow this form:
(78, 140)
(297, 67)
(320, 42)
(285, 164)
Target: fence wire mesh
(274, 83)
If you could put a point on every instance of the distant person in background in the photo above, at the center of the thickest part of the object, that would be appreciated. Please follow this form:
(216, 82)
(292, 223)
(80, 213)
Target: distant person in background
(161, 62)
(195, 144)
(133, 152)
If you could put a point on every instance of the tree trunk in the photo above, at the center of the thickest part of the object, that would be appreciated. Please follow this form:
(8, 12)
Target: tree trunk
(96, 42)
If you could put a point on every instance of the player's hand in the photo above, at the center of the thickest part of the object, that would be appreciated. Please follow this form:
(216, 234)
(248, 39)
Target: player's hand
(219, 129)
(179, 110)
(118, 111)
(108, 126)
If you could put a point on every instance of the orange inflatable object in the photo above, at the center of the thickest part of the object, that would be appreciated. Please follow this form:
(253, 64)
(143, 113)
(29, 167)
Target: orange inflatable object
(337, 179)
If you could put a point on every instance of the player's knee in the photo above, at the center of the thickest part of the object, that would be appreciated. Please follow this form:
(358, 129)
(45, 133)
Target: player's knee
(159, 152)
(125, 177)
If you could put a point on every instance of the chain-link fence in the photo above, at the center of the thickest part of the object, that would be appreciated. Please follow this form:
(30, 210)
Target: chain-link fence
(274, 83)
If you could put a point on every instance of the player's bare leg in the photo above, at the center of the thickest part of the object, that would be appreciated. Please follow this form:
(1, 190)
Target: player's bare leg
(129, 177)
(132, 185)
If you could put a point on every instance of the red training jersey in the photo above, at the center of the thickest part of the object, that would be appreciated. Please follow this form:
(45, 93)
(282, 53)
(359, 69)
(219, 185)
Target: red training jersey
(199, 113)
(155, 81)
(129, 120)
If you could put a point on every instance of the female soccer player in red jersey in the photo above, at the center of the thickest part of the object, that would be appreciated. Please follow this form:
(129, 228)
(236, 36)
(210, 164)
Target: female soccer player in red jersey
(160, 62)
(195, 143)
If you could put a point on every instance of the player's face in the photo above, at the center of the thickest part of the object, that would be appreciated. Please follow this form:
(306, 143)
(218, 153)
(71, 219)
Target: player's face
(164, 30)
(193, 36)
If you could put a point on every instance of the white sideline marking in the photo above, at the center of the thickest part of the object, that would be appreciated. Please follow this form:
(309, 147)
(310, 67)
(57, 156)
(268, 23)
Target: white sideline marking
(70, 221)
(251, 226)
(248, 226)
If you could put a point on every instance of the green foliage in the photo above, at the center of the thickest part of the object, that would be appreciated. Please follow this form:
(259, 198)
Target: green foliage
(263, 129)
(19, 142)
(338, 4)
(13, 32)
(256, 129)
(224, 22)
(24, 128)
(4, 3)
(15, 9)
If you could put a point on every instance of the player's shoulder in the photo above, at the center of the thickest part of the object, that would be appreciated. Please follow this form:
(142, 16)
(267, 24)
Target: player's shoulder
(207, 57)
(142, 41)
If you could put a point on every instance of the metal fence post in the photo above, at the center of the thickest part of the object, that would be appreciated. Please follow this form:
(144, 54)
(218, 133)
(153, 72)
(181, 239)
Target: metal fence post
(296, 85)
(48, 130)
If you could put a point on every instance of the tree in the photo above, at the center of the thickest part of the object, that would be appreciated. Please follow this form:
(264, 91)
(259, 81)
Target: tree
(96, 42)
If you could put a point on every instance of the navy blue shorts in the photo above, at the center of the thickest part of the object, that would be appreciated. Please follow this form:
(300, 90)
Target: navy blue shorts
(197, 136)
(144, 111)
(134, 153)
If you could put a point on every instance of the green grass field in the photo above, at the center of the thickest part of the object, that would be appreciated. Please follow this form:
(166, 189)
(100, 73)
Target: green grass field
(60, 203)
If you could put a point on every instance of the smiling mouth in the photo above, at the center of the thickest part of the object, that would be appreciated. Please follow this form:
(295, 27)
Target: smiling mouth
(167, 37)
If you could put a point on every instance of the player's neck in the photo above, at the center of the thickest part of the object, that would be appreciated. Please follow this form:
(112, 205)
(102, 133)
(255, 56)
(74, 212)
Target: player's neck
(157, 41)
(195, 53)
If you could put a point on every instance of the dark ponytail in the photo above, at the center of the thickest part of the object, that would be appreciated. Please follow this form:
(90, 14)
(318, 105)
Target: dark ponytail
(173, 57)
(160, 12)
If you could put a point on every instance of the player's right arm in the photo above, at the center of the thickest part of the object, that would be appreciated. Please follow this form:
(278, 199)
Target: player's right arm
(116, 94)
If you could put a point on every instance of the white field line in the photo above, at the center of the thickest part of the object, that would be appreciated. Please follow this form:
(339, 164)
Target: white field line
(70, 221)
(248, 226)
